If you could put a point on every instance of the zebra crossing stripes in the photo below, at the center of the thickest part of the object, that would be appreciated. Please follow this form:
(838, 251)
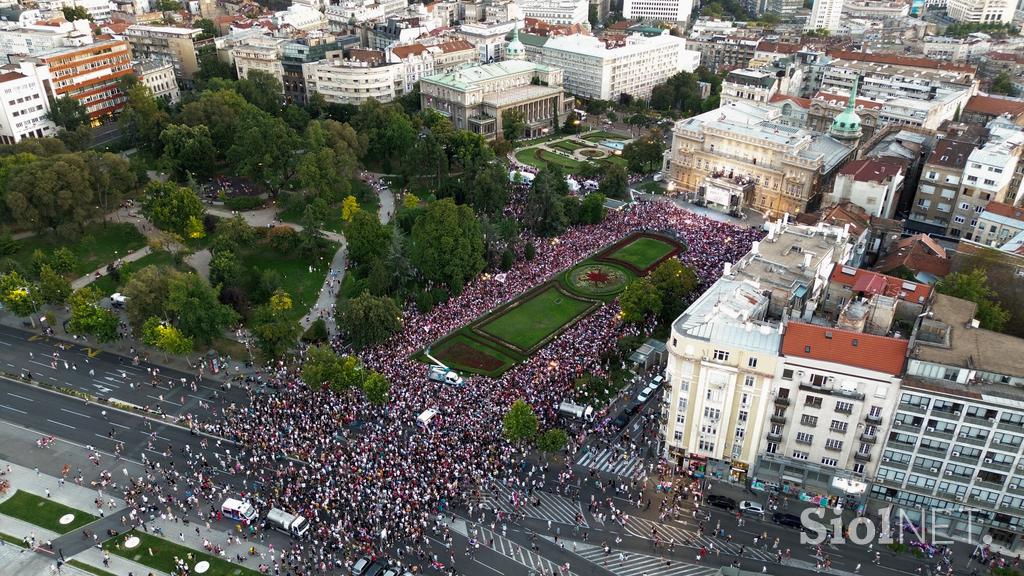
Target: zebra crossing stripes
(508, 548)
(613, 461)
(635, 563)
(550, 506)
(644, 528)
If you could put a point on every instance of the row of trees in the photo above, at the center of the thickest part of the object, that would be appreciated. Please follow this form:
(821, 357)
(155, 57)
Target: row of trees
(681, 94)
(664, 294)
(520, 426)
(322, 368)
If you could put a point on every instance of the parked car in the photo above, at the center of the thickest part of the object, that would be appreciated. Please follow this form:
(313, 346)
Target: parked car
(359, 568)
(787, 520)
(620, 421)
(391, 571)
(645, 394)
(633, 409)
(752, 508)
(723, 502)
(376, 569)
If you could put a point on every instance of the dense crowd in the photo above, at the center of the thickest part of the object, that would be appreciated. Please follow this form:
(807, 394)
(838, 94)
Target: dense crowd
(373, 478)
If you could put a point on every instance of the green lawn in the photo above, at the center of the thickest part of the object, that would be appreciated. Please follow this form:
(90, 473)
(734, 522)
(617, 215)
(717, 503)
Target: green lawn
(43, 512)
(642, 252)
(296, 280)
(559, 160)
(159, 554)
(604, 135)
(92, 569)
(99, 245)
(568, 145)
(107, 285)
(528, 322)
(613, 159)
(369, 201)
(464, 353)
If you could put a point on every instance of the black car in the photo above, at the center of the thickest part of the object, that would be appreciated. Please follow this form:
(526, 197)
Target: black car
(633, 409)
(787, 520)
(723, 502)
(620, 421)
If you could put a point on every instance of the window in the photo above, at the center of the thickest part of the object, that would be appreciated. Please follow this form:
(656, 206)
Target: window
(832, 444)
(714, 395)
(712, 413)
(787, 374)
(804, 437)
(838, 426)
(772, 448)
(844, 407)
(807, 420)
(721, 356)
(875, 412)
(751, 362)
(800, 455)
(965, 206)
(748, 381)
(742, 416)
(812, 402)
(858, 468)
(829, 461)
(958, 219)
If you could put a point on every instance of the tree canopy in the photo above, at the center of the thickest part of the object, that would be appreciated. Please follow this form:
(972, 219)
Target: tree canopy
(171, 207)
(520, 422)
(973, 286)
(447, 244)
(369, 319)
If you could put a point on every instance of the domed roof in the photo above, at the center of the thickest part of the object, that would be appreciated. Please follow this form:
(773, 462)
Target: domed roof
(515, 49)
(847, 123)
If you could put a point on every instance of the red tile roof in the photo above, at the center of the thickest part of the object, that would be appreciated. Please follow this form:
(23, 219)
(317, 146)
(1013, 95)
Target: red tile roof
(8, 76)
(404, 52)
(994, 106)
(868, 282)
(917, 253)
(950, 153)
(1005, 210)
(1004, 57)
(842, 99)
(901, 60)
(455, 46)
(846, 213)
(778, 47)
(873, 169)
(867, 351)
(801, 102)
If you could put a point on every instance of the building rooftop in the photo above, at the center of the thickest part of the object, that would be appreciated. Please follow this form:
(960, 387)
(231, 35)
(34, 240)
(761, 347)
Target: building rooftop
(1006, 211)
(877, 170)
(900, 60)
(804, 103)
(520, 93)
(730, 312)
(868, 282)
(465, 78)
(170, 30)
(839, 215)
(994, 105)
(751, 77)
(949, 338)
(857, 349)
(951, 154)
(918, 254)
(841, 100)
(779, 261)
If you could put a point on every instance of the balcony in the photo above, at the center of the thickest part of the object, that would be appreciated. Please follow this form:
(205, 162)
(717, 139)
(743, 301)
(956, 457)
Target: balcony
(927, 470)
(956, 476)
(871, 419)
(993, 465)
(932, 433)
(901, 425)
(782, 400)
(852, 394)
(980, 502)
(774, 437)
(932, 452)
(1005, 447)
(1010, 427)
(913, 408)
(868, 439)
(973, 440)
(975, 420)
(996, 486)
(1015, 489)
(862, 457)
(949, 415)
(778, 419)
(833, 448)
(972, 460)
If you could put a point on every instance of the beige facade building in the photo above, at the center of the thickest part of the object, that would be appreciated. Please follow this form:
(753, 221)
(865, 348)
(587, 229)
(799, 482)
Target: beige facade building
(353, 81)
(262, 54)
(166, 44)
(741, 157)
(159, 78)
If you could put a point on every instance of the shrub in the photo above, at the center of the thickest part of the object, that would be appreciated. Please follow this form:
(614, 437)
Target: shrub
(242, 203)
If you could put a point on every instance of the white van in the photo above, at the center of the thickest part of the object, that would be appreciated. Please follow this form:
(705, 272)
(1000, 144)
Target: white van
(424, 419)
(288, 523)
(238, 510)
(576, 411)
(439, 373)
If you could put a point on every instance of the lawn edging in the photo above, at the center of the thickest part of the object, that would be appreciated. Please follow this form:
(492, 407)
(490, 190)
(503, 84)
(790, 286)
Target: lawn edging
(159, 553)
(30, 508)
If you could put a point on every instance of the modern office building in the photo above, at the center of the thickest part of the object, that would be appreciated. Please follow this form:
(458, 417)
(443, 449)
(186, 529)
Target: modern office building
(956, 437)
(24, 103)
(825, 15)
(666, 10)
(594, 70)
(166, 44)
(722, 356)
(981, 11)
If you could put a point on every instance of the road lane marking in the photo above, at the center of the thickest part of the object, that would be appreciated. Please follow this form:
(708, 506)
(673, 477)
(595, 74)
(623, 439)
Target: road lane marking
(75, 413)
(60, 424)
(19, 427)
(22, 397)
(41, 364)
(119, 425)
(164, 400)
(487, 566)
(15, 409)
(5, 343)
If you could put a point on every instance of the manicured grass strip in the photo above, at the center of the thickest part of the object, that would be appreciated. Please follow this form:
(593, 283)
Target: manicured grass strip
(642, 252)
(613, 159)
(164, 552)
(12, 540)
(559, 160)
(581, 279)
(528, 322)
(83, 566)
(100, 244)
(107, 285)
(568, 145)
(604, 135)
(465, 354)
(296, 280)
(43, 512)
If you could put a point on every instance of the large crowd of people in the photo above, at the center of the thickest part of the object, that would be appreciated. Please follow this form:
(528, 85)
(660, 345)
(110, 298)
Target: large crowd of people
(370, 479)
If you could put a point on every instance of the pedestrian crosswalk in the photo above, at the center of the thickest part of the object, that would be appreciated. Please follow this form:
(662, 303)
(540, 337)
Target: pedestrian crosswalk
(536, 563)
(540, 504)
(623, 563)
(665, 531)
(613, 461)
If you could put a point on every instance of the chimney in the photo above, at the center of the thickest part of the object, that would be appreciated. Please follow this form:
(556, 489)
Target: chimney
(755, 247)
(807, 260)
(771, 231)
(785, 219)
(727, 269)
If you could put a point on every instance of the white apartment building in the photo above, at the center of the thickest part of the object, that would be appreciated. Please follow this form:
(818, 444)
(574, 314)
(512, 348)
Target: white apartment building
(874, 184)
(24, 103)
(159, 78)
(262, 54)
(754, 85)
(825, 15)
(341, 16)
(301, 18)
(489, 38)
(352, 81)
(669, 10)
(988, 177)
(592, 70)
(31, 39)
(956, 49)
(423, 59)
(834, 388)
(998, 224)
(721, 365)
(956, 437)
(981, 11)
(99, 10)
(557, 11)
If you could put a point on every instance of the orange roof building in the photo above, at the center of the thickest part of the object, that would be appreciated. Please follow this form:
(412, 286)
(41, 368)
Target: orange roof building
(89, 74)
(919, 254)
(845, 347)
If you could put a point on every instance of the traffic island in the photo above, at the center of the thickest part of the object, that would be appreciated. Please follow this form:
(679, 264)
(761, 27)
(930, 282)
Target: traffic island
(45, 513)
(162, 555)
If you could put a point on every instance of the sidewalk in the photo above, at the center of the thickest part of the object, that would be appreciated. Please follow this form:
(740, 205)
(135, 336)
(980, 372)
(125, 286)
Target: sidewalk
(70, 494)
(91, 277)
(328, 293)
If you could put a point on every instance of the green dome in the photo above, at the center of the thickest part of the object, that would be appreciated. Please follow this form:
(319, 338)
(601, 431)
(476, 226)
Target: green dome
(515, 49)
(847, 124)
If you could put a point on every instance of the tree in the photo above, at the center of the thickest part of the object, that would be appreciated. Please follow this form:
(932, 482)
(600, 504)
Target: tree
(222, 112)
(68, 113)
(1003, 84)
(644, 154)
(18, 294)
(54, 289)
(552, 440)
(349, 207)
(545, 212)
(262, 91)
(280, 302)
(367, 238)
(264, 150)
(167, 5)
(188, 150)
(72, 13)
(520, 422)
(447, 244)
(323, 367)
(614, 182)
(488, 191)
(87, 317)
(675, 283)
(163, 336)
(639, 301)
(56, 193)
(194, 307)
(146, 293)
(211, 67)
(208, 27)
(388, 131)
(592, 210)
(142, 119)
(513, 126)
(369, 319)
(973, 286)
(275, 333)
(170, 206)
(377, 388)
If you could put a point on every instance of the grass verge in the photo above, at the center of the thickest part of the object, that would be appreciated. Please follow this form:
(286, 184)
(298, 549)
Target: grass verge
(296, 279)
(642, 252)
(100, 244)
(43, 512)
(91, 569)
(159, 554)
(12, 540)
(604, 135)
